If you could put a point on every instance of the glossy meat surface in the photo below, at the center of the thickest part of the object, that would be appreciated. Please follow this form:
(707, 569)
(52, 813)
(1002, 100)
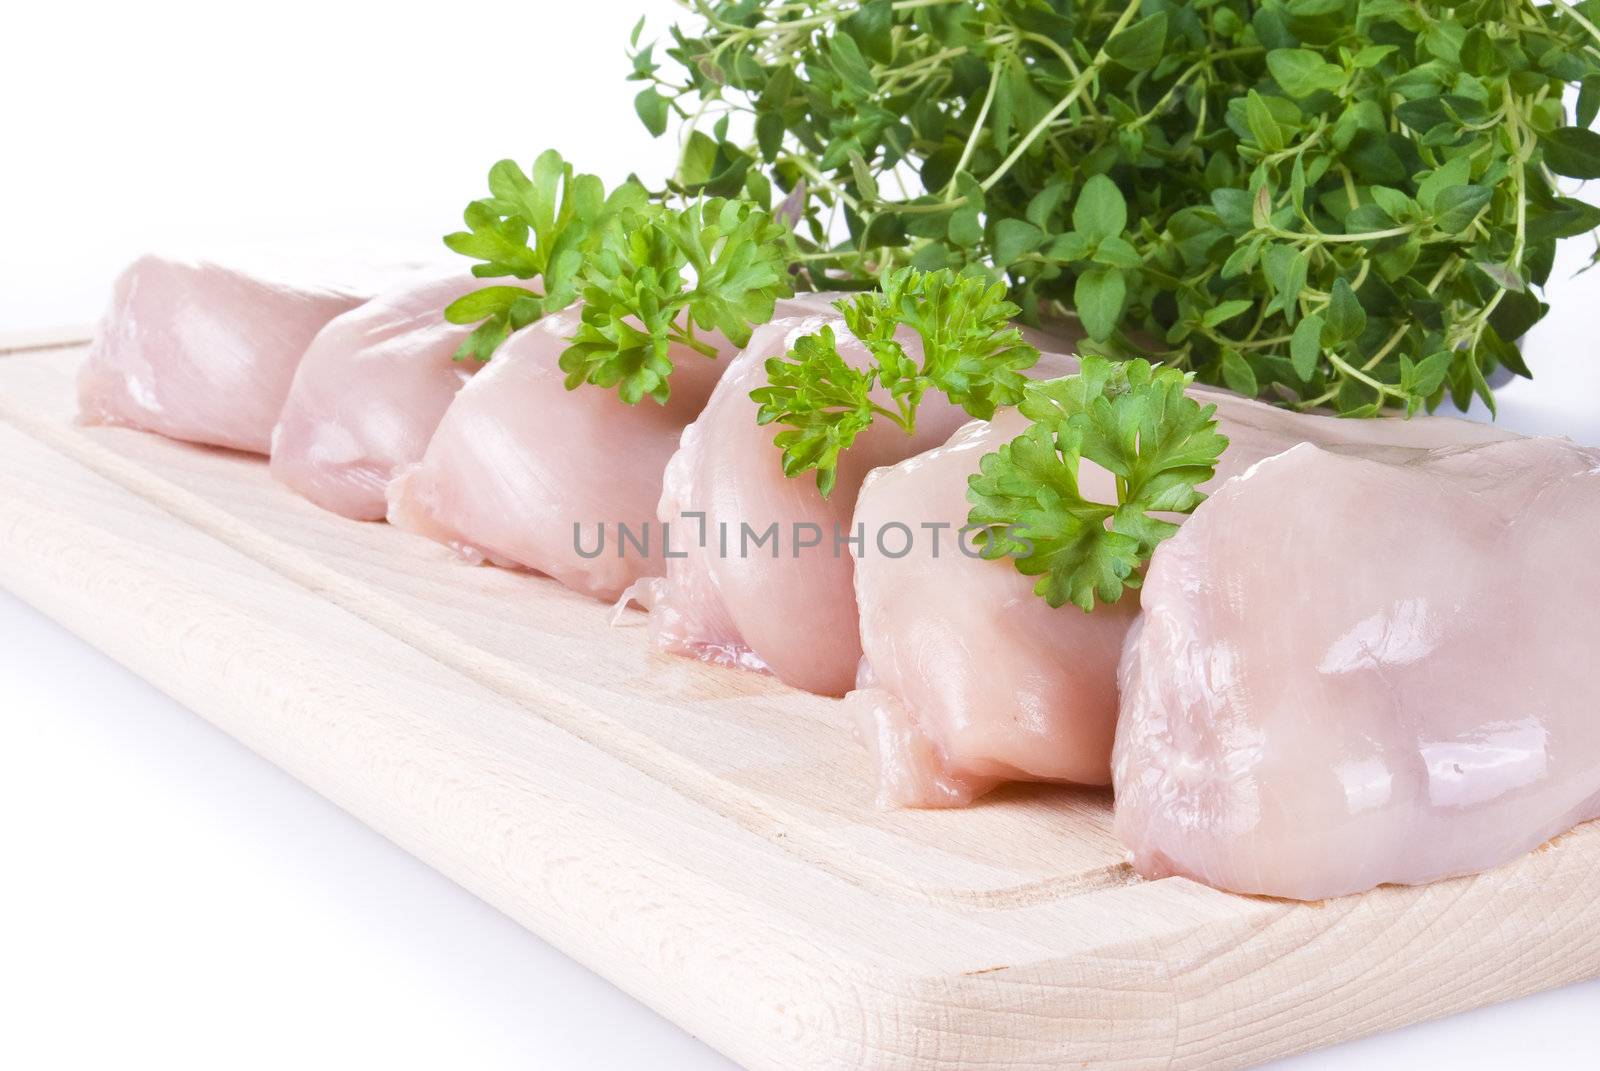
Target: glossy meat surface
(968, 679)
(774, 604)
(1399, 697)
(369, 393)
(523, 472)
(204, 352)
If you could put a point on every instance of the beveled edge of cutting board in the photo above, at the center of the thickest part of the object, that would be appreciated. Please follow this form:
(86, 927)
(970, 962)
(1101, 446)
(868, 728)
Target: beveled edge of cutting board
(51, 338)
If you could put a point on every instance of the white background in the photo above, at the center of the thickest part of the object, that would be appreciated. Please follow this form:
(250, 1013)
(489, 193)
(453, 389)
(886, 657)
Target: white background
(170, 900)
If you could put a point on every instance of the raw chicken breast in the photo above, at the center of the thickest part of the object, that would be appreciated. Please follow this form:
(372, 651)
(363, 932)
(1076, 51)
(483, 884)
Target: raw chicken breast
(199, 351)
(775, 605)
(369, 393)
(523, 472)
(969, 679)
(1353, 672)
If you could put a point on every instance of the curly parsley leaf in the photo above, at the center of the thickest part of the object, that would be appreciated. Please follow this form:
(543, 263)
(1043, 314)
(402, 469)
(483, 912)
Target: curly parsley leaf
(638, 301)
(1134, 421)
(971, 353)
(537, 225)
(503, 309)
(626, 332)
(739, 257)
(822, 398)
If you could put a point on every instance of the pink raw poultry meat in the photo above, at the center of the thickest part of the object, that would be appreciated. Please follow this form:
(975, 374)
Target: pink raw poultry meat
(200, 351)
(969, 679)
(369, 393)
(1400, 697)
(518, 461)
(779, 606)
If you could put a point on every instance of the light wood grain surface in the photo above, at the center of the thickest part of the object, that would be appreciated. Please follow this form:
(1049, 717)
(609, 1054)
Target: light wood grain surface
(702, 837)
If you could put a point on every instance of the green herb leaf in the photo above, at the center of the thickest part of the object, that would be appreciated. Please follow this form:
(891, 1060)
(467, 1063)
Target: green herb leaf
(1305, 348)
(991, 136)
(1138, 48)
(1238, 375)
(652, 111)
(1219, 314)
(1346, 319)
(822, 398)
(1503, 276)
(1014, 239)
(1134, 421)
(1456, 207)
(1573, 152)
(1302, 72)
(971, 353)
(1098, 297)
(638, 303)
(1100, 211)
(536, 226)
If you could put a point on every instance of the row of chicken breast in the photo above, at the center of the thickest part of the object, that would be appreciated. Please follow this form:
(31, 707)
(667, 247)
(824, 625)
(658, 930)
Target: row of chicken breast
(1359, 662)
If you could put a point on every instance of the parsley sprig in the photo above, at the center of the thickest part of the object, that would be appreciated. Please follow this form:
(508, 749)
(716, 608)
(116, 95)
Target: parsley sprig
(1328, 203)
(531, 226)
(971, 353)
(638, 301)
(1130, 418)
(650, 276)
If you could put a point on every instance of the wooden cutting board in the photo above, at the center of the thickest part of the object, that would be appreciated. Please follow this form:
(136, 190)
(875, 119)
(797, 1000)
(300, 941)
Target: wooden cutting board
(706, 838)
